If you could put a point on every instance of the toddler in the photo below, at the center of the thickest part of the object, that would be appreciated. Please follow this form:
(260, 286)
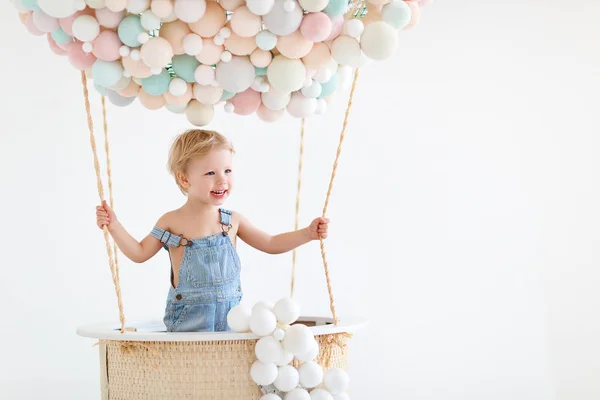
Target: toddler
(201, 236)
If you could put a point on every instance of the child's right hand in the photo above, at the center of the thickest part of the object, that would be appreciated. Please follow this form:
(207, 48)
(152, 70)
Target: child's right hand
(105, 216)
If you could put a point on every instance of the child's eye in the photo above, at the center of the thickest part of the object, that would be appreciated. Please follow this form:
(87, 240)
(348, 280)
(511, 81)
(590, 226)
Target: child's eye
(210, 173)
(227, 171)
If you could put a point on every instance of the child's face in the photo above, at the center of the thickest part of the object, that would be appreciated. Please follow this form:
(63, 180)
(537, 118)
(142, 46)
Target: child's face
(210, 178)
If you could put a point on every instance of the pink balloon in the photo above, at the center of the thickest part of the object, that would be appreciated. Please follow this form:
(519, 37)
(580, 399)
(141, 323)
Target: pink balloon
(415, 14)
(246, 102)
(137, 69)
(294, 45)
(319, 56)
(54, 47)
(79, 58)
(316, 27)
(67, 23)
(131, 90)
(269, 115)
(30, 25)
(336, 28)
(106, 46)
(66, 45)
(109, 19)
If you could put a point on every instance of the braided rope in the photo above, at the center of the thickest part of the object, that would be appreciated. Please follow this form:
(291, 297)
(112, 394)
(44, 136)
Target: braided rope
(114, 267)
(296, 222)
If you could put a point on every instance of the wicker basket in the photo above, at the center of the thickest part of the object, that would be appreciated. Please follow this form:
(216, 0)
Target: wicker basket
(204, 366)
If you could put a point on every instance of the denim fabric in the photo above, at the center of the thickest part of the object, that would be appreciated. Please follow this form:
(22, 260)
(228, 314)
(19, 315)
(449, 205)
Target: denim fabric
(209, 281)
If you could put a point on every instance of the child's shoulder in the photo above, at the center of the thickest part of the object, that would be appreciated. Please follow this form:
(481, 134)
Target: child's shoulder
(166, 220)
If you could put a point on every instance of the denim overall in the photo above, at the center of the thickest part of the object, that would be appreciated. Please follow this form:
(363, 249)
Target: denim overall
(209, 281)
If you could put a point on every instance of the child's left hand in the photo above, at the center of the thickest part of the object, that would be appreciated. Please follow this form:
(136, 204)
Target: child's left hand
(318, 228)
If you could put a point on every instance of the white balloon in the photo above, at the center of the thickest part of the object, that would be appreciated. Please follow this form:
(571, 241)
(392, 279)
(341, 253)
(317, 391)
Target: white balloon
(19, 6)
(263, 374)
(289, 5)
(58, 9)
(313, 350)
(336, 380)
(175, 109)
(137, 6)
(282, 22)
(260, 7)
(345, 50)
(321, 109)
(149, 21)
(341, 396)
(236, 76)
(270, 396)
(87, 47)
(268, 350)
(313, 5)
(285, 74)
(262, 322)
(279, 334)
(379, 41)
(266, 40)
(190, 10)
(287, 310)
(299, 338)
(275, 100)
(312, 91)
(287, 378)
(192, 44)
(44, 22)
(238, 318)
(299, 107)
(267, 305)
(86, 28)
(205, 75)
(320, 394)
(297, 394)
(178, 87)
(354, 27)
(311, 375)
(226, 56)
(229, 107)
(285, 359)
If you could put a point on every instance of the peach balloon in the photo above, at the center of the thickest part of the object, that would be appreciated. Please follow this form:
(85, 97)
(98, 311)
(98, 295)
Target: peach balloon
(136, 69)
(23, 17)
(30, 25)
(106, 46)
(67, 23)
(54, 47)
(415, 15)
(373, 14)
(212, 21)
(316, 27)
(156, 52)
(240, 46)
(246, 102)
(207, 94)
(268, 115)
(79, 58)
(294, 45)
(174, 32)
(179, 101)
(162, 8)
(131, 90)
(245, 23)
(151, 102)
(211, 53)
(318, 57)
(337, 24)
(261, 58)
(109, 19)
(116, 5)
(231, 5)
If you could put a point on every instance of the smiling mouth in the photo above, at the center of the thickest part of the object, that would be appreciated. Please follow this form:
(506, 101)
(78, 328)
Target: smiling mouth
(218, 193)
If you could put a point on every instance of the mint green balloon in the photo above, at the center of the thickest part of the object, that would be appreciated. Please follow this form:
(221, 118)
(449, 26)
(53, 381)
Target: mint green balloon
(157, 85)
(329, 87)
(336, 8)
(185, 66)
(260, 71)
(397, 14)
(107, 73)
(101, 89)
(61, 37)
(129, 29)
(31, 5)
(227, 95)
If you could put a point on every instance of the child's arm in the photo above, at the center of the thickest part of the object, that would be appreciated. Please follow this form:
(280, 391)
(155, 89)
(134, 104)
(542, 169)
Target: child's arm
(137, 252)
(283, 242)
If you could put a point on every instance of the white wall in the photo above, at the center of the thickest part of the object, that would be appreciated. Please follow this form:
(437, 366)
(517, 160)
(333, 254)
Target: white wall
(464, 217)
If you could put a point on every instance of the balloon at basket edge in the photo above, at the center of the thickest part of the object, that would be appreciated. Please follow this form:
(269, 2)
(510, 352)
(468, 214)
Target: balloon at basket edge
(287, 378)
(263, 374)
(268, 350)
(311, 374)
(336, 380)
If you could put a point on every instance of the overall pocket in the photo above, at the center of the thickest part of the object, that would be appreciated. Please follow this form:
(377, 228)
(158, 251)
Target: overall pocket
(210, 266)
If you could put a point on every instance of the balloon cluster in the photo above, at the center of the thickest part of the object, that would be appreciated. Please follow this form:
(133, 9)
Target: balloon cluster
(281, 342)
(252, 56)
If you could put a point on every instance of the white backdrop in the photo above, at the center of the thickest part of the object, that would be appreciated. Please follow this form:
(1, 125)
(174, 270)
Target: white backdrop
(464, 217)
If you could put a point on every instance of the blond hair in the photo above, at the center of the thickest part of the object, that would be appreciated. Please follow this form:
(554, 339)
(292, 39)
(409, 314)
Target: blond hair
(191, 144)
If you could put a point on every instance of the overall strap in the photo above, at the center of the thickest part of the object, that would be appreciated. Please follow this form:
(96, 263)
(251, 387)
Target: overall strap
(169, 239)
(225, 221)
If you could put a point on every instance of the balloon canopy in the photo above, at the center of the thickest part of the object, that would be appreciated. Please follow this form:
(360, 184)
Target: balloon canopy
(260, 57)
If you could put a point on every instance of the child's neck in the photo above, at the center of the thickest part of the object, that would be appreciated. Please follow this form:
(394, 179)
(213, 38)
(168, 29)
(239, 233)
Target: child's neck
(197, 207)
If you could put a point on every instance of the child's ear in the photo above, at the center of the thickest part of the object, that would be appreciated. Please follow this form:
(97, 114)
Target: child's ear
(183, 180)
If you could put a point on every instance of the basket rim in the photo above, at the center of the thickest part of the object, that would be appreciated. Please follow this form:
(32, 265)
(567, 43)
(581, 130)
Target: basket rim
(155, 331)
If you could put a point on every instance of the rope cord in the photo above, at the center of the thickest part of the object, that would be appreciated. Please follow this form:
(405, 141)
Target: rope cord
(329, 190)
(114, 267)
(296, 223)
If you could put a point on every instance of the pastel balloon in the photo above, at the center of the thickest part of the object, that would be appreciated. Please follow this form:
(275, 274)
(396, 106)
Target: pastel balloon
(150, 21)
(346, 50)
(318, 56)
(261, 58)
(211, 22)
(131, 90)
(129, 29)
(122, 84)
(86, 28)
(210, 54)
(379, 41)
(260, 7)
(31, 28)
(286, 75)
(189, 11)
(266, 40)
(109, 19)
(282, 22)
(337, 25)
(44, 22)
(240, 46)
(106, 46)
(300, 106)
(162, 8)
(316, 27)
(313, 5)
(268, 115)
(119, 100)
(295, 45)
(275, 100)
(207, 94)
(57, 9)
(185, 66)
(54, 47)
(199, 114)
(116, 5)
(329, 87)
(175, 32)
(245, 23)
(182, 100)
(246, 102)
(107, 73)
(137, 6)
(231, 5)
(336, 8)
(415, 14)
(204, 75)
(79, 58)
(136, 68)
(67, 23)
(151, 102)
(397, 14)
(236, 75)
(156, 52)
